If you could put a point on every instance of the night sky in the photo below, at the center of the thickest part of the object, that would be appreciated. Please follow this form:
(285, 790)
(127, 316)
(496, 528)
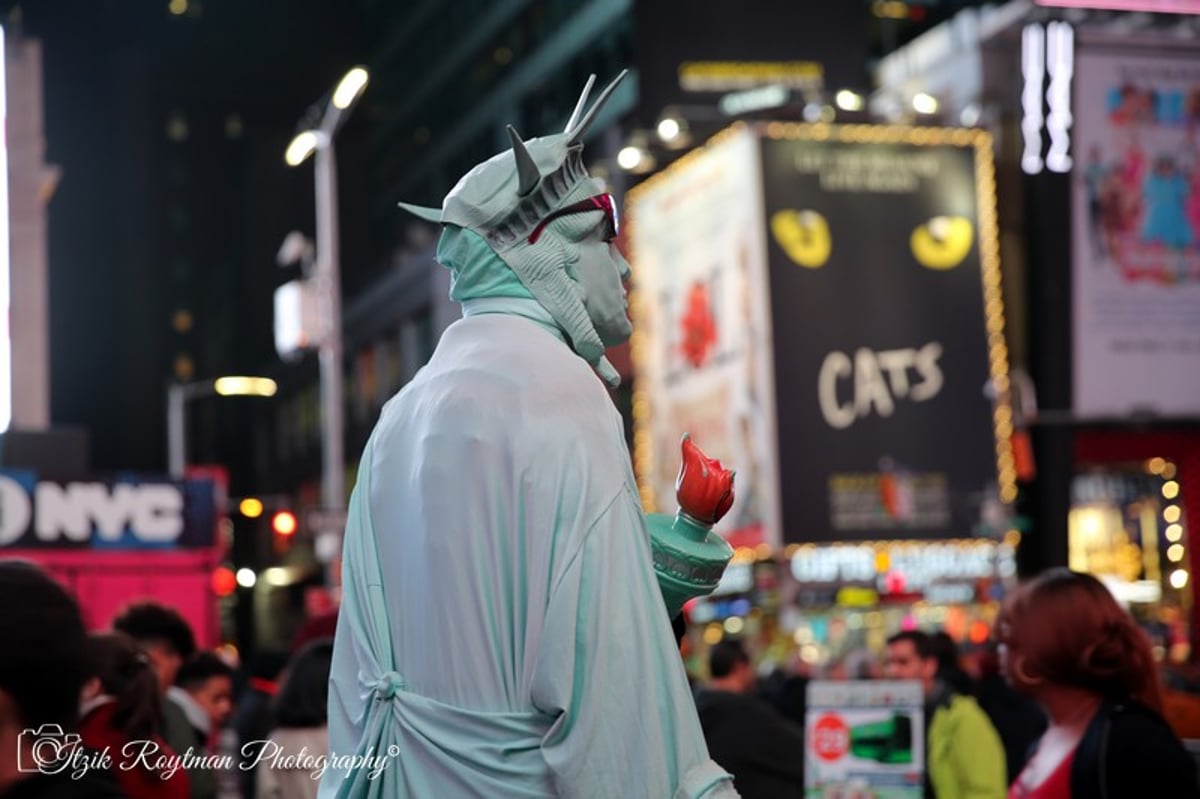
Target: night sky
(143, 224)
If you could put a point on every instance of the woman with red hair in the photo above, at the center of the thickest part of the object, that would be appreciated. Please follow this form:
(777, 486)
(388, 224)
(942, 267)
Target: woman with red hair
(1065, 642)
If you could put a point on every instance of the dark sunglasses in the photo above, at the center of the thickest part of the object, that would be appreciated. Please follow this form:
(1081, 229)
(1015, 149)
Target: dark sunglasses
(601, 202)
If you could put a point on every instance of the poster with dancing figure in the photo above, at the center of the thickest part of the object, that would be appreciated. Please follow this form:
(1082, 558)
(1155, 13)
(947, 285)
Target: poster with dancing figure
(1136, 234)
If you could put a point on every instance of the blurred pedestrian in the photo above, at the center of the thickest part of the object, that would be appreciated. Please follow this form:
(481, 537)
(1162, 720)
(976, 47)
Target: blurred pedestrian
(1066, 642)
(42, 672)
(787, 691)
(963, 755)
(746, 736)
(254, 718)
(167, 639)
(950, 670)
(204, 691)
(1017, 718)
(121, 714)
(301, 734)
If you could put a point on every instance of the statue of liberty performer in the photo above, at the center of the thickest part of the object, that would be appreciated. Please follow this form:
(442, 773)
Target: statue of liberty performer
(502, 633)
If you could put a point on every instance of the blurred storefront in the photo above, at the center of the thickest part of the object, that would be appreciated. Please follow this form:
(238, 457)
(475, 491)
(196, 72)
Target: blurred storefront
(832, 607)
(1133, 507)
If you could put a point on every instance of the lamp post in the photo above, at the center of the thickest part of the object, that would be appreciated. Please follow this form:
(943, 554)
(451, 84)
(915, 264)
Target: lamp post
(326, 273)
(179, 393)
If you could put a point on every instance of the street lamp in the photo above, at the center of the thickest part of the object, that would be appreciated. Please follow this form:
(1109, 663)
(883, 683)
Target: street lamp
(179, 393)
(319, 140)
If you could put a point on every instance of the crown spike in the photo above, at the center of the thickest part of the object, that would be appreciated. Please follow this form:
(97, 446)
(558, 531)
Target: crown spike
(527, 171)
(579, 105)
(576, 132)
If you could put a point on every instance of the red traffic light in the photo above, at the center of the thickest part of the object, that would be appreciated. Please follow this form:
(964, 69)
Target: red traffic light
(224, 581)
(284, 523)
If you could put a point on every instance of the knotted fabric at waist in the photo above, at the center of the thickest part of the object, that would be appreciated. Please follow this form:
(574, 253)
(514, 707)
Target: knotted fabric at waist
(496, 750)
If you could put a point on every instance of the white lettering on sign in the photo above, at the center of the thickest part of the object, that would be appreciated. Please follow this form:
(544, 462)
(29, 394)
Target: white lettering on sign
(919, 564)
(1033, 69)
(834, 564)
(15, 510)
(153, 512)
(1060, 58)
(1047, 51)
(878, 379)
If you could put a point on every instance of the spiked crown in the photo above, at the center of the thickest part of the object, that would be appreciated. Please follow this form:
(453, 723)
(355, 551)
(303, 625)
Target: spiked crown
(505, 198)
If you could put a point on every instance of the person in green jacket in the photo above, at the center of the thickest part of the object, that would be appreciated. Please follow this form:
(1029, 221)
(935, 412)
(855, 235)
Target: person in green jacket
(964, 758)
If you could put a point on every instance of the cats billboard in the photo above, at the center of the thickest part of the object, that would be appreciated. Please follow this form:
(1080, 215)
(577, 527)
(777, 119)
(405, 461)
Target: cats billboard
(820, 307)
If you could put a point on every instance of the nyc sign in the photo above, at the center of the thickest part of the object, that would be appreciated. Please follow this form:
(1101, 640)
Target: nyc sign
(122, 514)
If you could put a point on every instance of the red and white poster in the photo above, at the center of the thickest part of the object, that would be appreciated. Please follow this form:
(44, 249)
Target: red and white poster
(701, 347)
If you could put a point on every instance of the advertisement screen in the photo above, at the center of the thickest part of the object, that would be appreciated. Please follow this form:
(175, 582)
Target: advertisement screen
(887, 322)
(1136, 235)
(864, 740)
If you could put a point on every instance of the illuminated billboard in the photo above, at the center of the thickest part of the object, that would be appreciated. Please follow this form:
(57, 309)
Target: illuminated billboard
(820, 307)
(5, 342)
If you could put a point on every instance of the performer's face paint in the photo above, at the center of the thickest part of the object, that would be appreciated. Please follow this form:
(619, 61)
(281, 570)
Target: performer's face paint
(590, 228)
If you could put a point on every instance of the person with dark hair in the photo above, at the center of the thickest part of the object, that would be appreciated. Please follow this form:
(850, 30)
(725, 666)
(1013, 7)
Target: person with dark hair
(1065, 642)
(42, 673)
(950, 670)
(255, 717)
(167, 639)
(963, 755)
(121, 712)
(1018, 720)
(162, 633)
(301, 734)
(746, 736)
(203, 690)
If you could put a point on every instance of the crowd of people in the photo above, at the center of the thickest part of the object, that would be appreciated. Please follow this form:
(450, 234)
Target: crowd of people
(140, 712)
(1067, 704)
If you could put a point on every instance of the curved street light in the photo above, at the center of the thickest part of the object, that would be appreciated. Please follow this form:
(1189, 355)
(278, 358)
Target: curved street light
(179, 393)
(318, 142)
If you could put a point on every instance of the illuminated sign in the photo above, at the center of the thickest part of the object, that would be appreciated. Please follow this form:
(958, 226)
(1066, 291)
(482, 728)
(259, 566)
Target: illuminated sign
(1048, 51)
(297, 318)
(1155, 6)
(116, 515)
(744, 102)
(717, 76)
(885, 432)
(5, 343)
(737, 579)
(1033, 70)
(1060, 59)
(920, 565)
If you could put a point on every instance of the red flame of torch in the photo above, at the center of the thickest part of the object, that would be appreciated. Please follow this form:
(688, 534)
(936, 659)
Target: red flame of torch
(704, 489)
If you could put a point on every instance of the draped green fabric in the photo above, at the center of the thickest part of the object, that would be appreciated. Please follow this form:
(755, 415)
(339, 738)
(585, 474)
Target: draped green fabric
(477, 272)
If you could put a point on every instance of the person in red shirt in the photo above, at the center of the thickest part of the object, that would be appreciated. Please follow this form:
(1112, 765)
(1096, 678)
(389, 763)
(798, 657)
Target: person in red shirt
(1067, 644)
(120, 714)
